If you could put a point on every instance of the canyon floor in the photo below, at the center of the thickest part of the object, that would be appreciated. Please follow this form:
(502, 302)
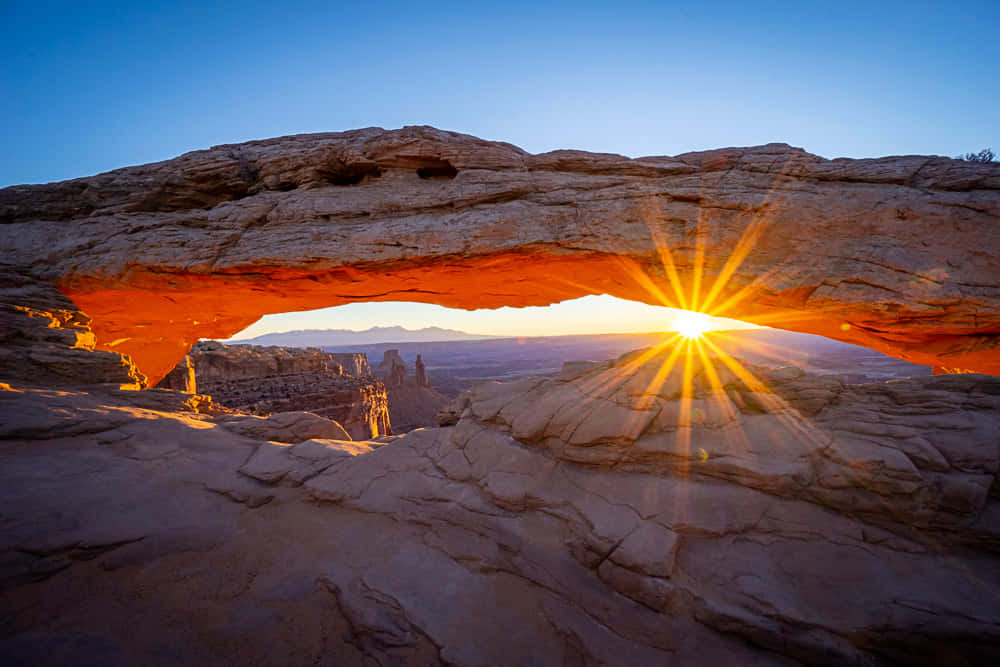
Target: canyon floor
(658, 508)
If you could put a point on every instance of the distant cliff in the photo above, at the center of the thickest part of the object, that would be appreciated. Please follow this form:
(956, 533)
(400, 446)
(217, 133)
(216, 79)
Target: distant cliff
(216, 361)
(280, 379)
(353, 363)
(412, 401)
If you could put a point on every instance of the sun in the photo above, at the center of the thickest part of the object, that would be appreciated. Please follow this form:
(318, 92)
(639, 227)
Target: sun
(691, 324)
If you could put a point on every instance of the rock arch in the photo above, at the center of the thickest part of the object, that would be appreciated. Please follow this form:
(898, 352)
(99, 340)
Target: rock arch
(900, 254)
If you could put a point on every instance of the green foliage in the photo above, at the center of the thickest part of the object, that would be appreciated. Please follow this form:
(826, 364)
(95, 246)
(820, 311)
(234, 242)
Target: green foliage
(985, 155)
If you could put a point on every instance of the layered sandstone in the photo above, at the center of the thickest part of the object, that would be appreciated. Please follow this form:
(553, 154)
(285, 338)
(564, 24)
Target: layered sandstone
(899, 254)
(181, 378)
(412, 401)
(661, 508)
(215, 361)
(46, 340)
(392, 369)
(274, 379)
(353, 363)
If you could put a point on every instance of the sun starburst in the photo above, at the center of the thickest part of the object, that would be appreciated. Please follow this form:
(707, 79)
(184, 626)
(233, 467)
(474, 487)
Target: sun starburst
(692, 325)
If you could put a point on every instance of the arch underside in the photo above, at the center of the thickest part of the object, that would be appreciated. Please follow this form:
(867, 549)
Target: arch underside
(901, 255)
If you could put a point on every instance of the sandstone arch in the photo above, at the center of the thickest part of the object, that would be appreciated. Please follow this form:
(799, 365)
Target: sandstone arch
(901, 254)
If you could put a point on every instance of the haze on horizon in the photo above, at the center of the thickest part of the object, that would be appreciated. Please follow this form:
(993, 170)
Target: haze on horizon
(587, 315)
(86, 88)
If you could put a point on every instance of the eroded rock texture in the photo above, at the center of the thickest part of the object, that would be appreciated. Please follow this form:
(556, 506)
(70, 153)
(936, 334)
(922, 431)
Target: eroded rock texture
(265, 379)
(899, 254)
(46, 339)
(633, 512)
(412, 401)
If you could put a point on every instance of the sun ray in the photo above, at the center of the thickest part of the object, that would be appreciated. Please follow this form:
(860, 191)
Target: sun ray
(636, 273)
(684, 411)
(773, 402)
(666, 257)
(746, 243)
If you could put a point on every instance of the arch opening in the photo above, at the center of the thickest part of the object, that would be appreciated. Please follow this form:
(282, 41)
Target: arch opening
(770, 235)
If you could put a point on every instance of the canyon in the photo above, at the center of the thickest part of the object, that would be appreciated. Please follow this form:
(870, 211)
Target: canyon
(678, 504)
(413, 403)
(267, 379)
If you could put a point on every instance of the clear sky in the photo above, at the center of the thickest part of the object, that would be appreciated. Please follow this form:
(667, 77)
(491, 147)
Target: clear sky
(90, 86)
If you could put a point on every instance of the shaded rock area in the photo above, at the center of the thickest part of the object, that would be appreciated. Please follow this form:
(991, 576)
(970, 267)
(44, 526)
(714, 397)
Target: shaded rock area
(413, 403)
(181, 378)
(899, 254)
(273, 379)
(392, 369)
(46, 339)
(662, 508)
(215, 361)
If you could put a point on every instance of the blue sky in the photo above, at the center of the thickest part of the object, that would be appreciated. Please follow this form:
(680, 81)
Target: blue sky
(88, 87)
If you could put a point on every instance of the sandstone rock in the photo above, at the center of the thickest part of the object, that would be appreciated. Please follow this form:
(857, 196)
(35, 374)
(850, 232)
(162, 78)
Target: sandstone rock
(412, 401)
(124, 520)
(268, 379)
(897, 254)
(46, 340)
(420, 372)
(412, 406)
(276, 462)
(181, 378)
(352, 363)
(288, 427)
(216, 361)
(392, 369)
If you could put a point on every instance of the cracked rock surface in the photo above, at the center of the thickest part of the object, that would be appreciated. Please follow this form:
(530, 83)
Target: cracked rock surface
(899, 254)
(704, 518)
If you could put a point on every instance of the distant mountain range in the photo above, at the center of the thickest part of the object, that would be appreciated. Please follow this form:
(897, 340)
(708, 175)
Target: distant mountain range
(375, 335)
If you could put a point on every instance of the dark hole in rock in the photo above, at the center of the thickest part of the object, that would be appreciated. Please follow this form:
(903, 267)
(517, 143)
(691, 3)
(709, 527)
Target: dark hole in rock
(438, 169)
(350, 174)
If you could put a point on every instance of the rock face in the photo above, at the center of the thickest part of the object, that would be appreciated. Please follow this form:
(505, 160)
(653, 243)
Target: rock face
(392, 369)
(219, 362)
(668, 507)
(420, 373)
(412, 401)
(181, 378)
(286, 379)
(900, 254)
(46, 340)
(353, 363)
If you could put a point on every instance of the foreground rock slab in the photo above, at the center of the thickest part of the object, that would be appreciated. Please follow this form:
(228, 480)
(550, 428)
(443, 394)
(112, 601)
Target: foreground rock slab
(899, 254)
(690, 515)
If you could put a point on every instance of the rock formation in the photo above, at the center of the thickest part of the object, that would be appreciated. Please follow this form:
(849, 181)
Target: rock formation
(353, 363)
(900, 254)
(215, 361)
(420, 373)
(668, 507)
(286, 379)
(181, 378)
(412, 401)
(46, 339)
(392, 369)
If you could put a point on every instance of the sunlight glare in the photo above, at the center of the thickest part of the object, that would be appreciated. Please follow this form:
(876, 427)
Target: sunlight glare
(692, 325)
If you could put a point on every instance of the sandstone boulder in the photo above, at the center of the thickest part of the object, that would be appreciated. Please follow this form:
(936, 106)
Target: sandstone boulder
(287, 427)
